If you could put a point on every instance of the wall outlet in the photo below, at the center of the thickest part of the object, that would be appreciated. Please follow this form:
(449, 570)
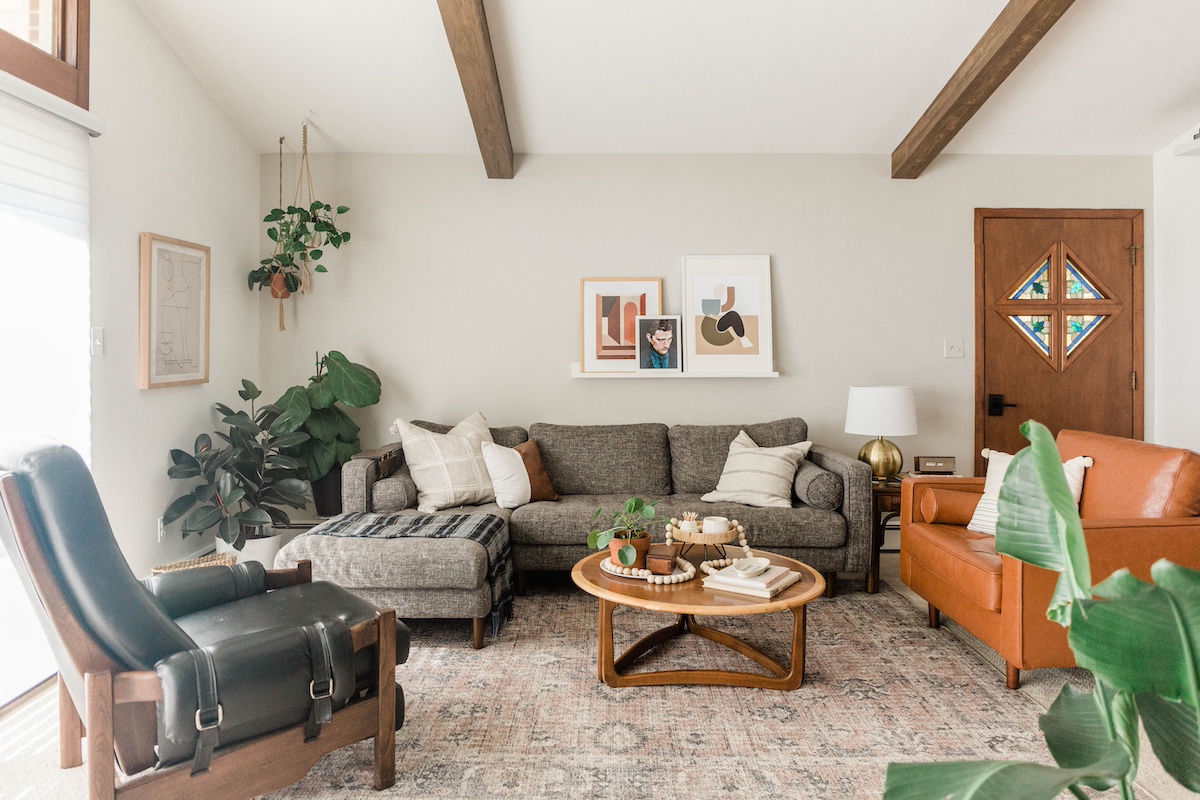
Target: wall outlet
(162, 529)
(952, 348)
(97, 341)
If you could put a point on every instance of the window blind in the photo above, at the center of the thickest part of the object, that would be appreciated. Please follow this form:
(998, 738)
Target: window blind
(43, 167)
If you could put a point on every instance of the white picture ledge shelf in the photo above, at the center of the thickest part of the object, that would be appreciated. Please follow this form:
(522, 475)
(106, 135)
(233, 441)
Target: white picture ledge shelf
(575, 373)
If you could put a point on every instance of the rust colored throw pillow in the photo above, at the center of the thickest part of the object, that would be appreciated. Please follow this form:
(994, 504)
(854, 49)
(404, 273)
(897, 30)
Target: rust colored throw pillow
(517, 474)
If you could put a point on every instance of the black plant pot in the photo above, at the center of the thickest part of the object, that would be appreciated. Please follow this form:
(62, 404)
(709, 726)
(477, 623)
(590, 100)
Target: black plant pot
(327, 493)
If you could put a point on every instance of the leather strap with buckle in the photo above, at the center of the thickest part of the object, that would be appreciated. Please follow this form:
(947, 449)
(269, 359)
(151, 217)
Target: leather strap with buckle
(320, 688)
(209, 714)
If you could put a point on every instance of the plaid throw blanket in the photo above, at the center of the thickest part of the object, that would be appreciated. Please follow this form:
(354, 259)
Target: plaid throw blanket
(487, 529)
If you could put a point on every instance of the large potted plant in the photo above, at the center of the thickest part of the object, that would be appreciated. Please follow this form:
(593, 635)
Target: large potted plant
(300, 234)
(332, 436)
(628, 539)
(243, 486)
(1140, 641)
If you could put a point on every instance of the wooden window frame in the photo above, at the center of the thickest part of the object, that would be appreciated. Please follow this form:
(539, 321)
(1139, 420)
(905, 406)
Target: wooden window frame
(65, 77)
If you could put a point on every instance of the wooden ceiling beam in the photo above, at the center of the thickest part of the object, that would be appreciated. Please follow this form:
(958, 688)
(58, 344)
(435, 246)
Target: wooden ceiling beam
(471, 44)
(1020, 26)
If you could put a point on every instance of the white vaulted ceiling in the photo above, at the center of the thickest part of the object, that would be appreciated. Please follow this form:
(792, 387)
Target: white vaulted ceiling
(1111, 77)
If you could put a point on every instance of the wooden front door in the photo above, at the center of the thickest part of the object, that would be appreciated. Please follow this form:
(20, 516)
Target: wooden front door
(1058, 323)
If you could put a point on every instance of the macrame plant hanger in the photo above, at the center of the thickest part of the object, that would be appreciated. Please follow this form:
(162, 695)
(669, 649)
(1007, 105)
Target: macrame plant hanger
(304, 180)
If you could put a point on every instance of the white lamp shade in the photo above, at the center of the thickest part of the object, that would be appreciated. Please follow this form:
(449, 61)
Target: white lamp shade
(881, 411)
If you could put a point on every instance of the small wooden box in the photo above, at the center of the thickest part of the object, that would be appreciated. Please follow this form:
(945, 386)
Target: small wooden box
(660, 558)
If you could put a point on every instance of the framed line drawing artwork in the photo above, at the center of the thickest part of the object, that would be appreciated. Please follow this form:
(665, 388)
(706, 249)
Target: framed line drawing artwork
(173, 318)
(658, 344)
(727, 314)
(609, 308)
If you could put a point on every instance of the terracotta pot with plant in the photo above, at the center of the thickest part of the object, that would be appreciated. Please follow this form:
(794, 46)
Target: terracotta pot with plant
(628, 539)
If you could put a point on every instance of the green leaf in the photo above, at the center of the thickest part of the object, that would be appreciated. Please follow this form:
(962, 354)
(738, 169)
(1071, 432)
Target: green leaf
(332, 424)
(320, 393)
(202, 519)
(273, 234)
(1174, 733)
(995, 780)
(179, 507)
(205, 492)
(183, 471)
(319, 458)
(242, 422)
(249, 391)
(1039, 522)
(184, 458)
(1077, 731)
(353, 384)
(344, 451)
(284, 462)
(294, 411)
(315, 255)
(343, 209)
(289, 440)
(254, 518)
(319, 268)
(627, 554)
(345, 237)
(229, 529)
(1115, 638)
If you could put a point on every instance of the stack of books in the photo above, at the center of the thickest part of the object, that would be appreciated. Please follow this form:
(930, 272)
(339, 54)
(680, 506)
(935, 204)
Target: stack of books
(766, 584)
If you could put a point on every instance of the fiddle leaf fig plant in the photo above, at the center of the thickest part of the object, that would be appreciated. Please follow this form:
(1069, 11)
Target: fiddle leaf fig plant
(332, 437)
(630, 523)
(1138, 639)
(245, 484)
(299, 235)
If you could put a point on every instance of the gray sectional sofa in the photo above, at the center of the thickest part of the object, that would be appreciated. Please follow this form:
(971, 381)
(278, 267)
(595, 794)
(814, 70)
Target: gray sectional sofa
(600, 466)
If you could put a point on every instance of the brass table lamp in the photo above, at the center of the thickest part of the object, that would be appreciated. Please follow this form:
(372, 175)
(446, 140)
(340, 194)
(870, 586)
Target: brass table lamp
(882, 411)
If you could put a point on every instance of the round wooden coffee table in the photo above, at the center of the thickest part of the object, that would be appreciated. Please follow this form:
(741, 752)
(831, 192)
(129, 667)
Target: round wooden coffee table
(688, 600)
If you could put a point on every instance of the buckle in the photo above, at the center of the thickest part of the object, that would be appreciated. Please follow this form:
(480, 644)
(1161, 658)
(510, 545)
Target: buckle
(220, 718)
(312, 690)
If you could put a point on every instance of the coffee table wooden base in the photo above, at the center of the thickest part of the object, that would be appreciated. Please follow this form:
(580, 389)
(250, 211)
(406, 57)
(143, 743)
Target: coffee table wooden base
(612, 671)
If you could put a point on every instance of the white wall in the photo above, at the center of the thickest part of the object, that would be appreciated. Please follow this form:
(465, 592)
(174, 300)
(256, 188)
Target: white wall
(1176, 297)
(463, 292)
(172, 163)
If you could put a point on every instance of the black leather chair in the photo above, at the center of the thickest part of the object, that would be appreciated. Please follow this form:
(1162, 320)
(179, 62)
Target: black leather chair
(221, 682)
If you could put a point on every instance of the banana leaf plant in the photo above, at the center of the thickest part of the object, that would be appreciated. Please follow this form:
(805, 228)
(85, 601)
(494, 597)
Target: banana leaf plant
(332, 437)
(1140, 640)
(245, 485)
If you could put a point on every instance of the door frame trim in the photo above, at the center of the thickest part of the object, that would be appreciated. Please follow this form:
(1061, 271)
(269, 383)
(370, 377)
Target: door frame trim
(1137, 218)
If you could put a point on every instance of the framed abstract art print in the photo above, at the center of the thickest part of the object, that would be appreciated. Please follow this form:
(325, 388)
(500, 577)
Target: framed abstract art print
(173, 322)
(727, 314)
(609, 308)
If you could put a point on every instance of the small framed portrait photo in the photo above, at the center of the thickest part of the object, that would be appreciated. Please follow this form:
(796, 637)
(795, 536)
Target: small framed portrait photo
(658, 347)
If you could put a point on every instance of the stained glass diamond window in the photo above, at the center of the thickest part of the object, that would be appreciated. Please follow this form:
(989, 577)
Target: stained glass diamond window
(1034, 287)
(1036, 328)
(1079, 327)
(1078, 286)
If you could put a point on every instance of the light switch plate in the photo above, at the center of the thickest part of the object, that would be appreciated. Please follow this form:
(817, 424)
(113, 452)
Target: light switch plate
(97, 341)
(952, 348)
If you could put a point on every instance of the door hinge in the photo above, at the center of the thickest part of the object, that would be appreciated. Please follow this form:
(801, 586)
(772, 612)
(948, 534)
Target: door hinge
(1133, 248)
(1133, 381)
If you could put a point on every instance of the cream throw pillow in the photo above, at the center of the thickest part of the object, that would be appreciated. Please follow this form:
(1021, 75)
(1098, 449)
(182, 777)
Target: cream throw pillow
(758, 476)
(988, 510)
(448, 468)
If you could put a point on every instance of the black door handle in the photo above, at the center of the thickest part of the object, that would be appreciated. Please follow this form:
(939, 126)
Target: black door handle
(996, 405)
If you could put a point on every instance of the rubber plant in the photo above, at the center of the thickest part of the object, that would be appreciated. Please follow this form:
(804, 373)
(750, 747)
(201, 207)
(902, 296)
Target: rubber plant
(245, 485)
(630, 523)
(1140, 640)
(332, 437)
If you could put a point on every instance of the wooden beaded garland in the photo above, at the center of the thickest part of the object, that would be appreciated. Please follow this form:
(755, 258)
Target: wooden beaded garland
(715, 564)
(689, 572)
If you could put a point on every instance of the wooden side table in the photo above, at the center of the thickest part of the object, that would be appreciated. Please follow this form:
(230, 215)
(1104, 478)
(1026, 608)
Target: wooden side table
(885, 504)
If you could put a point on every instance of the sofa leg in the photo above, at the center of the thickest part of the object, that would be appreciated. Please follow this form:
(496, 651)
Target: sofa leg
(477, 632)
(830, 584)
(935, 617)
(1012, 676)
(521, 587)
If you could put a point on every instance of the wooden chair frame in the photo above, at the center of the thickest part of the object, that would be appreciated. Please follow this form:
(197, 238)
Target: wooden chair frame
(120, 715)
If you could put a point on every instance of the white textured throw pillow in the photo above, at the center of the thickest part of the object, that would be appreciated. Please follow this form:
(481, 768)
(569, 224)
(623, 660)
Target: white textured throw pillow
(988, 510)
(448, 468)
(758, 476)
(509, 477)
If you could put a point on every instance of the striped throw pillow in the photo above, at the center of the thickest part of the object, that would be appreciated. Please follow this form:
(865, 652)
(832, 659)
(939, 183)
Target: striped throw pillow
(448, 468)
(987, 512)
(758, 476)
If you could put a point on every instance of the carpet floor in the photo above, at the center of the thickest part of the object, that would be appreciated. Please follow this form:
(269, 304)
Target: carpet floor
(526, 717)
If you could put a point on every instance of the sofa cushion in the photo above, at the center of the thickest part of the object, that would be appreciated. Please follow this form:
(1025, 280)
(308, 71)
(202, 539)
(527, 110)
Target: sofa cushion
(987, 512)
(758, 476)
(766, 528)
(569, 520)
(517, 474)
(448, 468)
(948, 506)
(698, 452)
(818, 487)
(509, 436)
(1132, 479)
(633, 460)
(966, 560)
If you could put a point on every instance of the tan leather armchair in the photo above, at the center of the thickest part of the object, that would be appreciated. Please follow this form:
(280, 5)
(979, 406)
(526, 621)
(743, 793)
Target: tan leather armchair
(1140, 503)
